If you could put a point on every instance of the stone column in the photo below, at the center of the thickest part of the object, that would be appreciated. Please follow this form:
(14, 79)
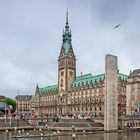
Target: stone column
(111, 101)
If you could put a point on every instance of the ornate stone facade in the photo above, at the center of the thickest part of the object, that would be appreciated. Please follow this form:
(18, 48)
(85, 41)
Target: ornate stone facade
(23, 103)
(133, 92)
(76, 94)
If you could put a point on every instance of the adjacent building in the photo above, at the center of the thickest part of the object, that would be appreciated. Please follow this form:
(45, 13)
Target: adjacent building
(76, 94)
(23, 103)
(133, 92)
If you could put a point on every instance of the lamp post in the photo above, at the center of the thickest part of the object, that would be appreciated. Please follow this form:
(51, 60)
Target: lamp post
(81, 97)
(138, 109)
(17, 109)
(5, 113)
(10, 117)
(61, 103)
(33, 117)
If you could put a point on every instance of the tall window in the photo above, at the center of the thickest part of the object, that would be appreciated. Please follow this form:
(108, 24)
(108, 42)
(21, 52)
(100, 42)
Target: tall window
(62, 73)
(90, 108)
(95, 108)
(71, 73)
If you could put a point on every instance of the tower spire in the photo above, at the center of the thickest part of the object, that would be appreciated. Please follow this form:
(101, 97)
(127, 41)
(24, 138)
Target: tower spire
(67, 24)
(66, 45)
(67, 17)
(37, 88)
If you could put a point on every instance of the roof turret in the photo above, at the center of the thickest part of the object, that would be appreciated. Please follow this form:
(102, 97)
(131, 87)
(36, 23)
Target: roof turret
(37, 88)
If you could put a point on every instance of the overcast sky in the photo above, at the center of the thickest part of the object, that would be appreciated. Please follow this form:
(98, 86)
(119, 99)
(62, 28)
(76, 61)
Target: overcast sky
(31, 38)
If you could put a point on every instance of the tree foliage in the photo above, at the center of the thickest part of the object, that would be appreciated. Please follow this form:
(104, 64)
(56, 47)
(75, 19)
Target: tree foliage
(10, 101)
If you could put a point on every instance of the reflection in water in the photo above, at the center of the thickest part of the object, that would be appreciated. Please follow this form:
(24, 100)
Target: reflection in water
(110, 136)
(101, 136)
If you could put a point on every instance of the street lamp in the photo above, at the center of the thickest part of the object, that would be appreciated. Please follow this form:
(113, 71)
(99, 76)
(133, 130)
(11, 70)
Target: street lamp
(5, 113)
(17, 115)
(81, 96)
(10, 108)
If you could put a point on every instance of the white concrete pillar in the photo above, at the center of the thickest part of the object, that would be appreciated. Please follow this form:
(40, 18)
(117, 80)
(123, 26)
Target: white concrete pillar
(111, 101)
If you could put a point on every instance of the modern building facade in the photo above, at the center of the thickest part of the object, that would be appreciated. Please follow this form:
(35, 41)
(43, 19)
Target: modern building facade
(76, 94)
(133, 92)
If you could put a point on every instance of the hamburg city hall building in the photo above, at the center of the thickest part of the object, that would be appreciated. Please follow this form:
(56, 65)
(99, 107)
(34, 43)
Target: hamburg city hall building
(73, 94)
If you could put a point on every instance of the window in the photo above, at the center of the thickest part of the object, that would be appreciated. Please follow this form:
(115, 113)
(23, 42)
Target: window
(71, 73)
(100, 90)
(132, 86)
(61, 83)
(90, 108)
(62, 73)
(90, 92)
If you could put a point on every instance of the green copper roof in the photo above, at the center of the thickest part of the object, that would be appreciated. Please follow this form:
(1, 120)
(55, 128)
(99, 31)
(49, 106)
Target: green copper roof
(48, 89)
(123, 76)
(66, 47)
(87, 78)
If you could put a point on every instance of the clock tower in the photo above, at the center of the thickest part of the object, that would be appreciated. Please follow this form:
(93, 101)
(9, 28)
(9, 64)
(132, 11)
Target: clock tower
(66, 61)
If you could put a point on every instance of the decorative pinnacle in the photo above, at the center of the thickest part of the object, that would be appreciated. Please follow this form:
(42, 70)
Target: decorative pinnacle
(70, 31)
(67, 25)
(67, 17)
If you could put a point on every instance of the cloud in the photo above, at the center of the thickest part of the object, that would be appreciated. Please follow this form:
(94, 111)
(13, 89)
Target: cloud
(31, 38)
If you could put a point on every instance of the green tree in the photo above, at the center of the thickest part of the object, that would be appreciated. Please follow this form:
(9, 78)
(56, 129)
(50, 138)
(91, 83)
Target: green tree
(10, 101)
